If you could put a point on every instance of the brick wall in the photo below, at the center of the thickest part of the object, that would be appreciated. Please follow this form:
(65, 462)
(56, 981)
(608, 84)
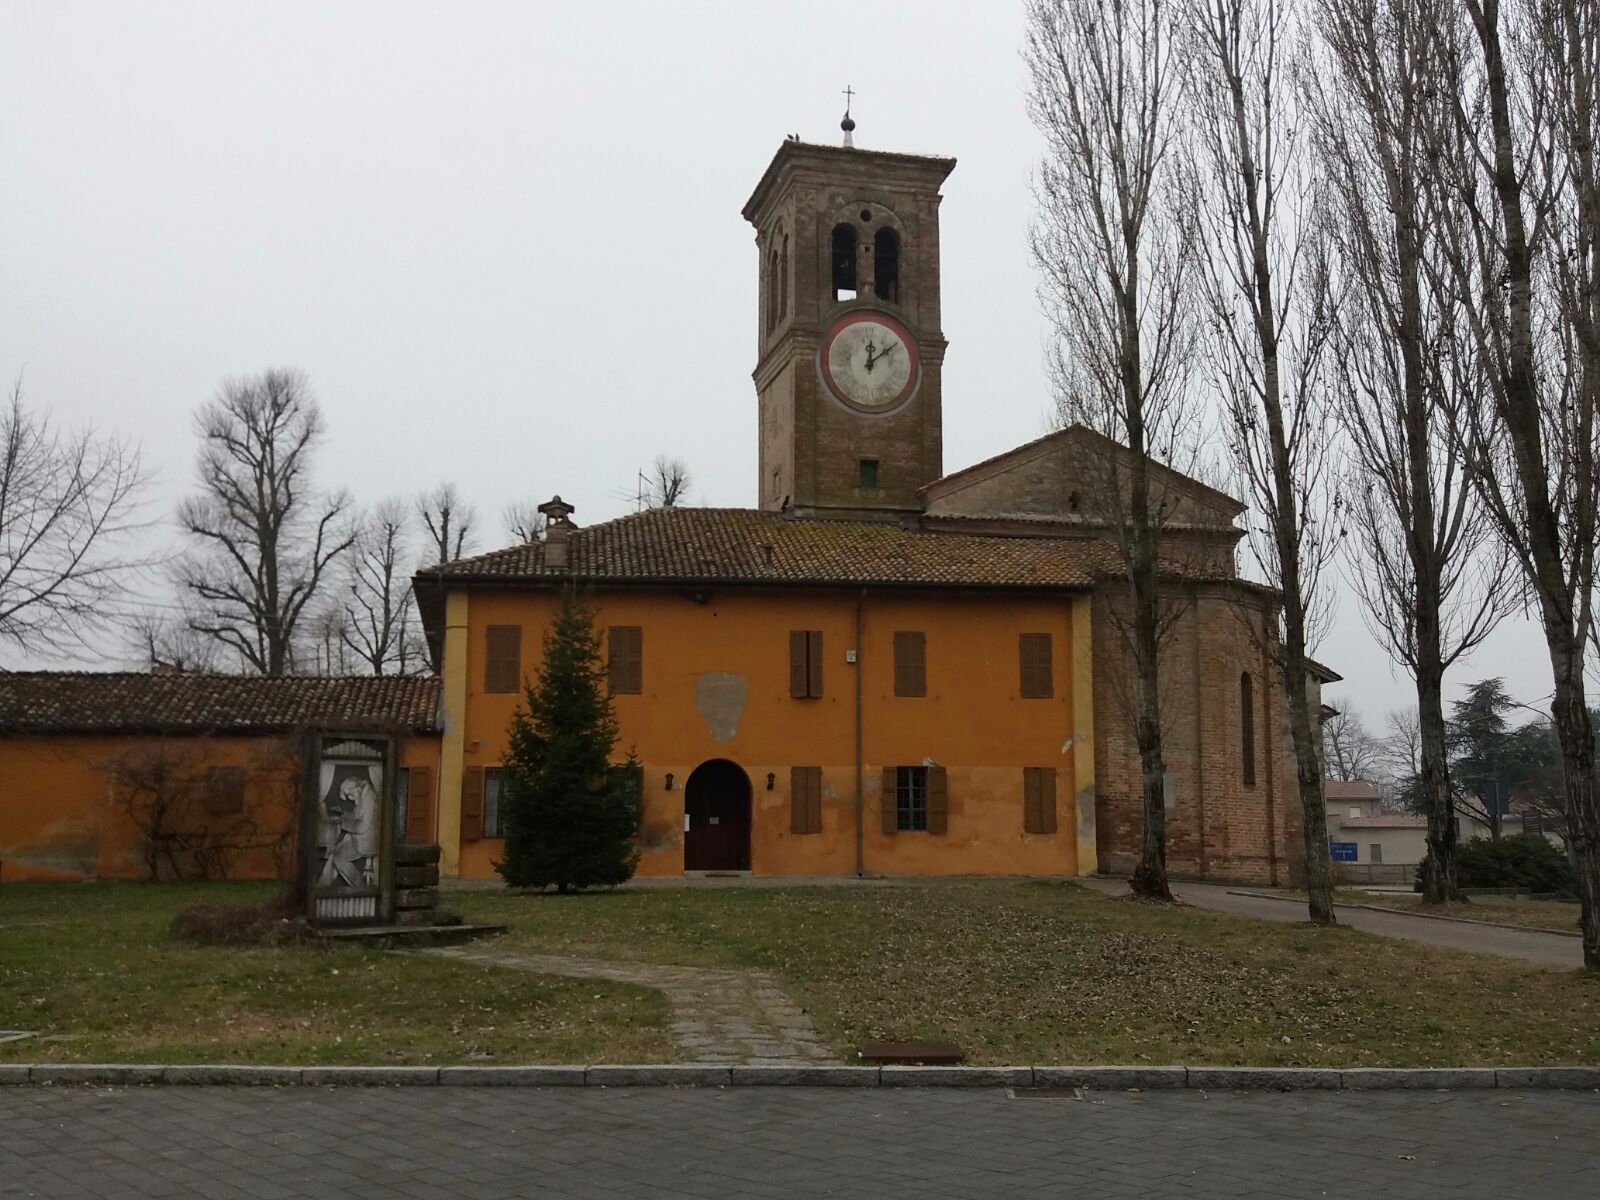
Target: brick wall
(1218, 826)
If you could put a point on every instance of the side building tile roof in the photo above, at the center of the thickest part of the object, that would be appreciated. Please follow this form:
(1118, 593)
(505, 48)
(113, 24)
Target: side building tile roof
(72, 702)
(753, 546)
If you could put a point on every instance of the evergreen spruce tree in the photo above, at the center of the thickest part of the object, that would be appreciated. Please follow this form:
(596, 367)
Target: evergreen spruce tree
(569, 816)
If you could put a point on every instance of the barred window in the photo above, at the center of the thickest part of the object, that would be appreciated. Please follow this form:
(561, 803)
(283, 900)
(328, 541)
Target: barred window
(491, 803)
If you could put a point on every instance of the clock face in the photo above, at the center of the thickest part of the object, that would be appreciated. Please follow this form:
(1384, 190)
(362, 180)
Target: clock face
(869, 362)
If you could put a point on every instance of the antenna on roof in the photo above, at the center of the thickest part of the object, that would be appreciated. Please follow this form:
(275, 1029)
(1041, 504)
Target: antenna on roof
(848, 124)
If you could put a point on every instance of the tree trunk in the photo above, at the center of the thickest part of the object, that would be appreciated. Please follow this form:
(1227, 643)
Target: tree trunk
(1150, 877)
(1439, 881)
(1576, 735)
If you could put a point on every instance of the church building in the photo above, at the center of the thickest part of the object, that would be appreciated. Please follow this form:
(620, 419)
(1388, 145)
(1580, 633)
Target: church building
(881, 669)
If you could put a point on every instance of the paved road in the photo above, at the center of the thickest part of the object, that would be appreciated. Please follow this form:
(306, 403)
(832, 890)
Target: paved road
(478, 1143)
(1530, 945)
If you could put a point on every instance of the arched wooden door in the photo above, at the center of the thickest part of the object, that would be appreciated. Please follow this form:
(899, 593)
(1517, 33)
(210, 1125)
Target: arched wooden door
(716, 806)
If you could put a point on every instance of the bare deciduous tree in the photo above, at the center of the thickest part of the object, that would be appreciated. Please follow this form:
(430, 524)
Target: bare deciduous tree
(262, 541)
(1515, 197)
(1114, 258)
(523, 522)
(67, 505)
(1432, 582)
(1352, 751)
(1266, 290)
(161, 644)
(450, 522)
(379, 623)
(665, 483)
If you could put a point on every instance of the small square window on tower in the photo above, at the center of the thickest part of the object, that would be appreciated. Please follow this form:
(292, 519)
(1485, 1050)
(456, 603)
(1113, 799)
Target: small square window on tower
(867, 473)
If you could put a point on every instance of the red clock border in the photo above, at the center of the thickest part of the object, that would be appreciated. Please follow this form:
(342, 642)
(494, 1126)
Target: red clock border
(881, 318)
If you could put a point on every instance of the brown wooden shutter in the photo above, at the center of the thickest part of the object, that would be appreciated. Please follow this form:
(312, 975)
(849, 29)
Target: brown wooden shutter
(1047, 799)
(472, 804)
(224, 791)
(1038, 675)
(502, 659)
(888, 801)
(419, 806)
(938, 801)
(814, 664)
(910, 664)
(805, 799)
(625, 665)
(1030, 800)
(799, 657)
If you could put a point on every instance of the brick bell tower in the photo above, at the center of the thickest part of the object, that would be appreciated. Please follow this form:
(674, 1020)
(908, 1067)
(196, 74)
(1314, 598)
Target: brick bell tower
(849, 348)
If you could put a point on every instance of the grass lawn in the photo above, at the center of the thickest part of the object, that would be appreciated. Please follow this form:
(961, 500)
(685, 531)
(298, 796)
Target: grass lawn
(1051, 973)
(1532, 914)
(91, 967)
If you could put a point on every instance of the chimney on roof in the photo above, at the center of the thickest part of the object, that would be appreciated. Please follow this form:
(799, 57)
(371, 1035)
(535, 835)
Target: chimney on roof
(558, 527)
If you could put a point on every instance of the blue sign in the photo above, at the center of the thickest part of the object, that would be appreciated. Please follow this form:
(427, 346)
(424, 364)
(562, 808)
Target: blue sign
(1342, 851)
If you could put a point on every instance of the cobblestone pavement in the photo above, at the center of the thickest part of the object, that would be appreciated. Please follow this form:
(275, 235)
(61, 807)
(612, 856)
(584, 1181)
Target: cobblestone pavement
(1529, 945)
(717, 1016)
(483, 1143)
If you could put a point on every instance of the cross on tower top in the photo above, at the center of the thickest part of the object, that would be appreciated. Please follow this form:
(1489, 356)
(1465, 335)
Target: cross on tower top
(848, 124)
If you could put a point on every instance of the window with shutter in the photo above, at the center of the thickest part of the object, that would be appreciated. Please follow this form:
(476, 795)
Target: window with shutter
(805, 800)
(938, 800)
(493, 823)
(805, 664)
(1039, 799)
(225, 790)
(910, 664)
(472, 804)
(419, 805)
(1038, 676)
(502, 659)
(625, 665)
(911, 799)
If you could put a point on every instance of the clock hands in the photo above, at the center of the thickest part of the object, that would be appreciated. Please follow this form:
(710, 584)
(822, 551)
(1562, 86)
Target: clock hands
(873, 354)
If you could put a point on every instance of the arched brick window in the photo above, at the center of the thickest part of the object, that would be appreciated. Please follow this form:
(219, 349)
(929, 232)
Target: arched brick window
(772, 291)
(1247, 729)
(783, 281)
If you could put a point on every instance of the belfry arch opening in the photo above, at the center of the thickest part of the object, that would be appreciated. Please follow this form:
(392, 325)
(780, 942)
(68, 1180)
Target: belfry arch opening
(845, 243)
(886, 265)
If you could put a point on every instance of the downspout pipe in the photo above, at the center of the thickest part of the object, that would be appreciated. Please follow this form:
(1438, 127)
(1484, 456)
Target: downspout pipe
(861, 827)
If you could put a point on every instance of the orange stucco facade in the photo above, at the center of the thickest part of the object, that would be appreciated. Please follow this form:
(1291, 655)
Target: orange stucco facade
(61, 817)
(715, 679)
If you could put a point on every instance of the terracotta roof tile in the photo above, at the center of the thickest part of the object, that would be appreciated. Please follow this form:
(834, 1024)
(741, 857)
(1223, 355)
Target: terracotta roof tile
(754, 546)
(42, 702)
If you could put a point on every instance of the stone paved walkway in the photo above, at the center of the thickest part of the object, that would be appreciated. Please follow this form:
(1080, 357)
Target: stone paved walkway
(717, 1016)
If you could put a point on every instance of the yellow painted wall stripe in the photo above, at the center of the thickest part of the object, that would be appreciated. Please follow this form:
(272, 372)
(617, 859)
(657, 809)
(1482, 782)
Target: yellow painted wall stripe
(1083, 733)
(452, 752)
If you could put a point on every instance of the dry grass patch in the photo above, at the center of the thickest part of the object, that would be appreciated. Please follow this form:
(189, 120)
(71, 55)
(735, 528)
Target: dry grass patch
(1050, 973)
(92, 968)
(1561, 915)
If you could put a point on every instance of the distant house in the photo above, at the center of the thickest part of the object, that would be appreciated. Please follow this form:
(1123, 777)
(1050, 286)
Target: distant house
(1380, 847)
(85, 758)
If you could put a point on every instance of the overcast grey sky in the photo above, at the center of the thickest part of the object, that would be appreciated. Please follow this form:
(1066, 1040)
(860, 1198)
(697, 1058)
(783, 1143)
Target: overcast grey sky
(502, 239)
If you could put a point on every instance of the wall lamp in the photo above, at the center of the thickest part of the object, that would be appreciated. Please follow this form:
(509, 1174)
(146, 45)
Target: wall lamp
(771, 779)
(669, 781)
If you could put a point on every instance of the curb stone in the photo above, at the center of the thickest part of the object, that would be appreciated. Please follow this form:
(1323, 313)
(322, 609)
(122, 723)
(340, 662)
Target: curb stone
(1111, 1078)
(1582, 1078)
(101, 1073)
(370, 1076)
(805, 1076)
(232, 1075)
(512, 1076)
(897, 1076)
(1579, 1078)
(1265, 1079)
(1388, 1078)
(673, 1074)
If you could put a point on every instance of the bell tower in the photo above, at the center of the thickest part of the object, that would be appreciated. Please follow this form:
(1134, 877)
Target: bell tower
(849, 350)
